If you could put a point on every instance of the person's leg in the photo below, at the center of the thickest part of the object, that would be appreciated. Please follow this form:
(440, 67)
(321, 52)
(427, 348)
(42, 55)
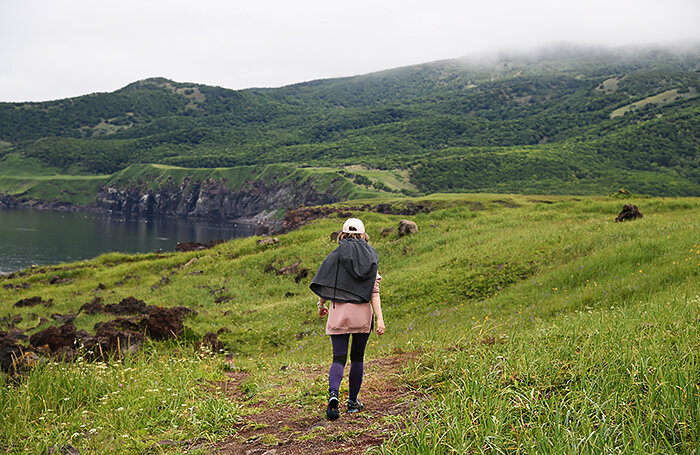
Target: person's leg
(335, 375)
(357, 366)
(340, 355)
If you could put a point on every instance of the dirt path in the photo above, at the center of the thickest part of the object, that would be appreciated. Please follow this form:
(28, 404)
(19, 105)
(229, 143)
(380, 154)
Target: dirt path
(304, 429)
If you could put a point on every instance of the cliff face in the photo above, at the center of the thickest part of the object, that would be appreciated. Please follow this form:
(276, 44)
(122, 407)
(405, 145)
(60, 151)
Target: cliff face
(210, 198)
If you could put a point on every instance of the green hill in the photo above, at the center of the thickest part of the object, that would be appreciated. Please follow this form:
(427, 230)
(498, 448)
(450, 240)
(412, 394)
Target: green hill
(564, 120)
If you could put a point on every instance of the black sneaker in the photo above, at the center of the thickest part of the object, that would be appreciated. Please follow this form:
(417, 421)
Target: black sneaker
(332, 411)
(355, 405)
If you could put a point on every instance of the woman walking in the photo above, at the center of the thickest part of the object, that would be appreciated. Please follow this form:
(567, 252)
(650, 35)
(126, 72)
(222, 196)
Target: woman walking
(348, 280)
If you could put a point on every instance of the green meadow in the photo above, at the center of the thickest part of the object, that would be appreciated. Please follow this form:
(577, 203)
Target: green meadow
(526, 324)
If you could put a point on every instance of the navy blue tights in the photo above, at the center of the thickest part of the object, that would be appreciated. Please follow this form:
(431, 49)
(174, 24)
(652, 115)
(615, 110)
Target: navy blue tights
(340, 354)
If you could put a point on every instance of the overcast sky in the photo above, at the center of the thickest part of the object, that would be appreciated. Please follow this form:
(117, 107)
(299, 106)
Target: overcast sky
(52, 49)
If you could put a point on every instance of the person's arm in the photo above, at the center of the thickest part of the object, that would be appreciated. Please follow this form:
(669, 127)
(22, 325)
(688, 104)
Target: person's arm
(376, 303)
(322, 308)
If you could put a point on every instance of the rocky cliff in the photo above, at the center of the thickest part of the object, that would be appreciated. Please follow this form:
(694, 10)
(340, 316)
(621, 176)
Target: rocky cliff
(212, 199)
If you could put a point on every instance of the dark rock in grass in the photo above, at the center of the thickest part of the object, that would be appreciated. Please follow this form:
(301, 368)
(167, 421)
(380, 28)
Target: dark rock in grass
(387, 231)
(128, 305)
(303, 273)
(10, 353)
(100, 287)
(136, 324)
(33, 301)
(94, 306)
(111, 338)
(163, 282)
(65, 354)
(8, 286)
(212, 341)
(407, 227)
(214, 291)
(184, 311)
(29, 301)
(10, 321)
(294, 269)
(17, 334)
(629, 212)
(126, 278)
(196, 246)
(165, 323)
(63, 318)
(223, 298)
(287, 270)
(55, 337)
(57, 280)
(223, 330)
(15, 358)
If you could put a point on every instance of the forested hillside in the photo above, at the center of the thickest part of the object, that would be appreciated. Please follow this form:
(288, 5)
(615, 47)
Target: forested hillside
(562, 121)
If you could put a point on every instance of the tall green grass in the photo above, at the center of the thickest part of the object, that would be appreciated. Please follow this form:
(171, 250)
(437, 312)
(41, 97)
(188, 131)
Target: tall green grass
(596, 381)
(117, 406)
(541, 328)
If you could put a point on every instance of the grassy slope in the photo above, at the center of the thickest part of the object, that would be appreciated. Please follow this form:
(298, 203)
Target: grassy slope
(542, 327)
(667, 97)
(155, 175)
(31, 179)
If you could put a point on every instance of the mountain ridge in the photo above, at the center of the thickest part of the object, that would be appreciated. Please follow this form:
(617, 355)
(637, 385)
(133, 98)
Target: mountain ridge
(574, 106)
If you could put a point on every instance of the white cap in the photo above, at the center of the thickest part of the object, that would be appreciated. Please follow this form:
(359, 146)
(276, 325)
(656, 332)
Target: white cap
(356, 224)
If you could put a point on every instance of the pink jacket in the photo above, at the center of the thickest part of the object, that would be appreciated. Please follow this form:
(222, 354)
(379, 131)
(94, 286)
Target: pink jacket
(351, 317)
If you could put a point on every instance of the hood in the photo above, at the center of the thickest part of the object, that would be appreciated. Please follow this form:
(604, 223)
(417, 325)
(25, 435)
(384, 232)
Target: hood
(358, 258)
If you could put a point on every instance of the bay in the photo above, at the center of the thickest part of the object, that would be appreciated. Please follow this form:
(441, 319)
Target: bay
(38, 237)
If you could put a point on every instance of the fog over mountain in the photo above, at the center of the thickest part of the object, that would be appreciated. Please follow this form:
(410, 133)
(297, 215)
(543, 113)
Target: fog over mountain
(53, 50)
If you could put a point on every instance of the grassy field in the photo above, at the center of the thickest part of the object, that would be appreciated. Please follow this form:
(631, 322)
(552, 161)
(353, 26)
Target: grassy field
(519, 324)
(394, 180)
(667, 97)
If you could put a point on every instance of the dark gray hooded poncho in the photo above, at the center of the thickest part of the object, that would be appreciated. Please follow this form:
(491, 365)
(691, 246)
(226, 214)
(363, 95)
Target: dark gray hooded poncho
(348, 273)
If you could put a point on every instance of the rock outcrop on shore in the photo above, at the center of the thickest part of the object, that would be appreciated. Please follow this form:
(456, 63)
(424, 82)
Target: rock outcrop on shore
(207, 199)
(211, 199)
